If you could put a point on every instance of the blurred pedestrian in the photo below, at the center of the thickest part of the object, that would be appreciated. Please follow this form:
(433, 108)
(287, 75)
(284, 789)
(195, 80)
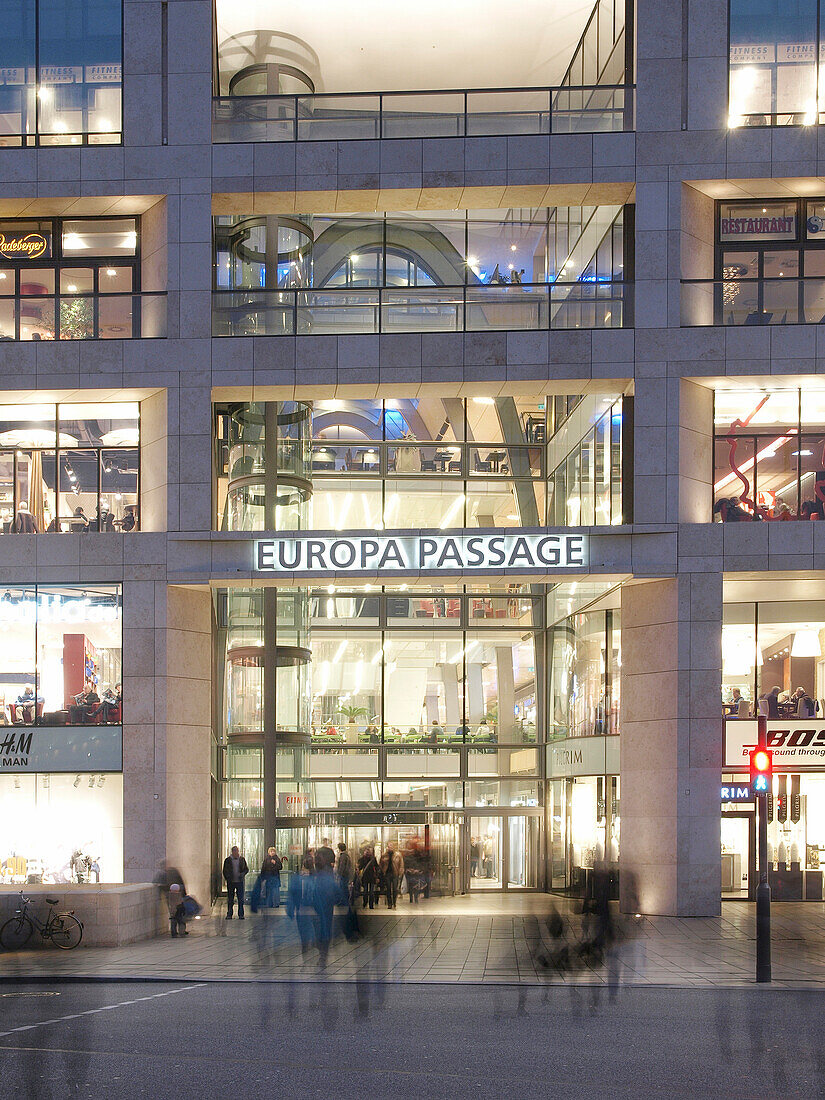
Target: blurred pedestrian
(324, 854)
(344, 869)
(299, 902)
(235, 870)
(271, 879)
(392, 871)
(326, 894)
(177, 912)
(368, 876)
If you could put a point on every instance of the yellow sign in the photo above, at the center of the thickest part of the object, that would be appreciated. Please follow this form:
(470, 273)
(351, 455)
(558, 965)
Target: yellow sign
(25, 246)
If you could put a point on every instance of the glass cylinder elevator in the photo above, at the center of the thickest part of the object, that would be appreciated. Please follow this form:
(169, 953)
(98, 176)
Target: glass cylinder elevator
(264, 638)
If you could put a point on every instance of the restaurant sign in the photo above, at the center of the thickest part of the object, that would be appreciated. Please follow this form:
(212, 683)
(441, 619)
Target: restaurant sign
(22, 245)
(795, 743)
(425, 553)
(763, 223)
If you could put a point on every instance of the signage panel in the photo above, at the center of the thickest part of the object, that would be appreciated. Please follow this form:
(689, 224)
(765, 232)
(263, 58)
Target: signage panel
(775, 224)
(420, 553)
(736, 792)
(61, 749)
(583, 756)
(796, 743)
(25, 245)
(292, 805)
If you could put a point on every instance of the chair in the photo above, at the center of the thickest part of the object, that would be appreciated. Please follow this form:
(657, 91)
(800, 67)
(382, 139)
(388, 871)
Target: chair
(763, 706)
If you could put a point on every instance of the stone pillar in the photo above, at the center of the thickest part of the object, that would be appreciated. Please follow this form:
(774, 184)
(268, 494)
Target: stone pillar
(673, 451)
(188, 756)
(671, 744)
(153, 463)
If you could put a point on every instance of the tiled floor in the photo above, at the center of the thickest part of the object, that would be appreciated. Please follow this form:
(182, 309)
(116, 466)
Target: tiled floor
(497, 938)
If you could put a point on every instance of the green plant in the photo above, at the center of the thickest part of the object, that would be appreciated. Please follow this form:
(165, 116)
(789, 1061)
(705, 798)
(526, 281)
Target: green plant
(353, 712)
(76, 319)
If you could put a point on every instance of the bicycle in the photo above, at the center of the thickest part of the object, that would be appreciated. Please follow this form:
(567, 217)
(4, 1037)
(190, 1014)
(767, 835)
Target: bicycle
(63, 929)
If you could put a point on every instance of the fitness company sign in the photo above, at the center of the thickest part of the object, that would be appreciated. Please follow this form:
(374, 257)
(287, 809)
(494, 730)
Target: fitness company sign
(795, 743)
(426, 553)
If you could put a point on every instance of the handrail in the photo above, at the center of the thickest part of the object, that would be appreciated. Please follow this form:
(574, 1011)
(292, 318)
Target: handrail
(308, 117)
(775, 300)
(480, 307)
(146, 318)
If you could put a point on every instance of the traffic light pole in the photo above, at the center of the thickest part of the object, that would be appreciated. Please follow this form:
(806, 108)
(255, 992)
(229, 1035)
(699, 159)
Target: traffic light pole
(763, 890)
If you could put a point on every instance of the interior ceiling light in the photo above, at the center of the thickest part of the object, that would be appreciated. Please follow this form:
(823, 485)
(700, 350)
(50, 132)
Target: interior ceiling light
(806, 644)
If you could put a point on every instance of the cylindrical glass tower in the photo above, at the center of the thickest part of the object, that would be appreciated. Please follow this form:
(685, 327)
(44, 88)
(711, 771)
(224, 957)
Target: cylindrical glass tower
(264, 642)
(268, 464)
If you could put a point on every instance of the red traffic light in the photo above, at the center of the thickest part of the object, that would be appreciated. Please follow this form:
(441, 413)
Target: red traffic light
(761, 769)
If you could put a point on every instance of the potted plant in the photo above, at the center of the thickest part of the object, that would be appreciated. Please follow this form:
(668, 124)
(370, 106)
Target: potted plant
(351, 713)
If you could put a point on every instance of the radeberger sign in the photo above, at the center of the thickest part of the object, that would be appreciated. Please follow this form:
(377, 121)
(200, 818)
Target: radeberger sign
(25, 246)
(420, 553)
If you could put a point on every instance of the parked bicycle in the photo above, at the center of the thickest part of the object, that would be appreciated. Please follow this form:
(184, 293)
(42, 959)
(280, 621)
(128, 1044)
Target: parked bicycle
(63, 929)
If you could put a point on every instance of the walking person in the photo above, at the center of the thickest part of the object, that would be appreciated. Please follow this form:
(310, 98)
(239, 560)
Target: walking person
(324, 854)
(271, 879)
(344, 869)
(368, 874)
(392, 869)
(299, 902)
(235, 870)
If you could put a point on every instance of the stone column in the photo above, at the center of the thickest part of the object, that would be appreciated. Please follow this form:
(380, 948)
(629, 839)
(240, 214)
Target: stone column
(673, 451)
(671, 744)
(188, 690)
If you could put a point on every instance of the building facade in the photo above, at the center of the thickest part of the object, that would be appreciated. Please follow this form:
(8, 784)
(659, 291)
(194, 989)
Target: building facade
(383, 456)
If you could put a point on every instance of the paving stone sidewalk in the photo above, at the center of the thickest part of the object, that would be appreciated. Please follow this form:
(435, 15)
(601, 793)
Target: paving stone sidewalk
(492, 940)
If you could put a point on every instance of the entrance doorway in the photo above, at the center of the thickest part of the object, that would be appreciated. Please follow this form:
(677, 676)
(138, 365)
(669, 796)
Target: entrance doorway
(739, 854)
(434, 843)
(502, 851)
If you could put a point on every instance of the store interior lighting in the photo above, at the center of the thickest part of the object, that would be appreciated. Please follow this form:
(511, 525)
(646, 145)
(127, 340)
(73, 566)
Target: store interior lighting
(806, 644)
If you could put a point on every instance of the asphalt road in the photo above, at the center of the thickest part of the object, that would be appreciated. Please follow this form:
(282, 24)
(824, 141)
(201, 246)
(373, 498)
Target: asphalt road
(369, 1040)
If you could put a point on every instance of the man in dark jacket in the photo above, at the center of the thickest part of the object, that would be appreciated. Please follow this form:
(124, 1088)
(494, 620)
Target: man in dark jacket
(235, 870)
(325, 855)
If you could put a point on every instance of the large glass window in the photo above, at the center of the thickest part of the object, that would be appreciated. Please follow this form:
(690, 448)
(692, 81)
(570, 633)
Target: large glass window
(769, 455)
(61, 72)
(773, 69)
(430, 463)
(66, 279)
(585, 664)
(69, 468)
(773, 645)
(417, 271)
(61, 828)
(61, 655)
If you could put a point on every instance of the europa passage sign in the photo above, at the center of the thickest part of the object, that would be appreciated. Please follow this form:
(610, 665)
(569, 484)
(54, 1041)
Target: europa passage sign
(414, 553)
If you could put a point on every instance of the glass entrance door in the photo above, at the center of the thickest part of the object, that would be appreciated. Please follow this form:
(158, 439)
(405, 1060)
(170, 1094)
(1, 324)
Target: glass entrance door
(738, 854)
(503, 851)
(486, 851)
(523, 853)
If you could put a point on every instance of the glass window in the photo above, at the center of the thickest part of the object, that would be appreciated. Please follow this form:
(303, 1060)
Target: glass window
(772, 62)
(586, 652)
(88, 237)
(79, 70)
(61, 828)
(62, 655)
(346, 689)
(18, 60)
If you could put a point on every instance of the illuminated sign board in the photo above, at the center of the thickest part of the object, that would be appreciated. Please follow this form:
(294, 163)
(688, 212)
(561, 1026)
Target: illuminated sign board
(736, 792)
(795, 743)
(420, 553)
(25, 246)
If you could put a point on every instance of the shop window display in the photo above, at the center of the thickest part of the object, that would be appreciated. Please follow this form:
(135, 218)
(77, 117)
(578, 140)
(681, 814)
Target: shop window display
(61, 828)
(61, 655)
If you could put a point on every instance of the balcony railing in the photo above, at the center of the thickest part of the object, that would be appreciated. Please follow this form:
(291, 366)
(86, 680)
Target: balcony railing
(371, 115)
(780, 301)
(475, 308)
(125, 316)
